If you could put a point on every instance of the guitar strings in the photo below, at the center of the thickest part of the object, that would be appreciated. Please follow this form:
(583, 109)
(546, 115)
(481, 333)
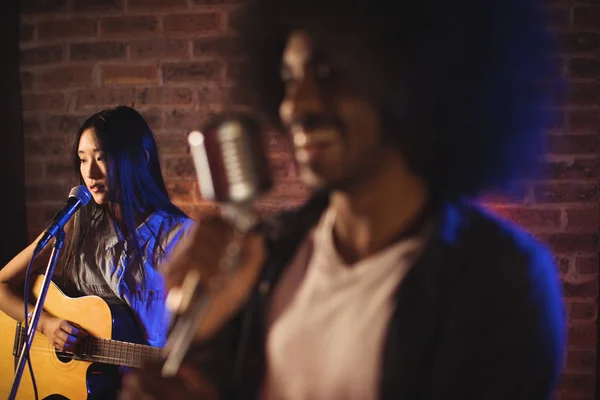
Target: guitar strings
(117, 360)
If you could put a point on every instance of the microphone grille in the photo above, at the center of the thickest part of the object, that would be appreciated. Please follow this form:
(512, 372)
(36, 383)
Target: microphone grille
(82, 194)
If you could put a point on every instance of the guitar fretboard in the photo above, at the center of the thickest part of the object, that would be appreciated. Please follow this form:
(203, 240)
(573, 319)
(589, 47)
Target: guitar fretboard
(108, 351)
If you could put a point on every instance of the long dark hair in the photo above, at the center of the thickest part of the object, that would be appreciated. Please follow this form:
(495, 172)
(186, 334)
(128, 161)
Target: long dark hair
(135, 180)
(463, 88)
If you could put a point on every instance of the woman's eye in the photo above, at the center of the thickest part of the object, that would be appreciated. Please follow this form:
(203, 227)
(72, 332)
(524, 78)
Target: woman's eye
(81, 160)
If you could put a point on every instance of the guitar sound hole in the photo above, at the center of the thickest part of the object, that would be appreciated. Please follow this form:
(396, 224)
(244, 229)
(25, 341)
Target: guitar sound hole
(63, 357)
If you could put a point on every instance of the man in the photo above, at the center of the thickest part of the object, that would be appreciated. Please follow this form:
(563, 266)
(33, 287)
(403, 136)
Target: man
(390, 282)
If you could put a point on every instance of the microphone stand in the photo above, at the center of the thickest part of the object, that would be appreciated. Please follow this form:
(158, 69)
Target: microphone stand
(37, 311)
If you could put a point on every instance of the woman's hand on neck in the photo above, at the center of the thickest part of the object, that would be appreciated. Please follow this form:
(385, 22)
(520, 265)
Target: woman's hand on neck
(378, 210)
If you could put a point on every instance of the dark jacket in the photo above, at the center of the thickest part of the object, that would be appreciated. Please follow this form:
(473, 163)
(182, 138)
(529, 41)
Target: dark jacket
(478, 316)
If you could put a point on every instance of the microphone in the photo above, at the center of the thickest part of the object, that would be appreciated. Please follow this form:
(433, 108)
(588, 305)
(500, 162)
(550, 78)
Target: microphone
(231, 163)
(232, 168)
(79, 196)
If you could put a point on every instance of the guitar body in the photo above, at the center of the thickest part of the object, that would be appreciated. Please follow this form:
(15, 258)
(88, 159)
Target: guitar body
(64, 376)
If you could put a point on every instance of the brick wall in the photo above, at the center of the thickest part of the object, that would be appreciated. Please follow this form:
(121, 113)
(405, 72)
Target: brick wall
(164, 57)
(563, 208)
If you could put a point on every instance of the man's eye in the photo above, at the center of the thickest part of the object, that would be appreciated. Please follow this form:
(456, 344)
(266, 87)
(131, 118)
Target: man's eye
(81, 160)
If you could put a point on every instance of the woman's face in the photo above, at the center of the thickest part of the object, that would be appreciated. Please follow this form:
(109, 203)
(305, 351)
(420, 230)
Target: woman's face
(93, 166)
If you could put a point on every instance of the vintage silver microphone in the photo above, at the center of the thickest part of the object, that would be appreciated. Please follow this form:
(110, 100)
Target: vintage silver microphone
(232, 169)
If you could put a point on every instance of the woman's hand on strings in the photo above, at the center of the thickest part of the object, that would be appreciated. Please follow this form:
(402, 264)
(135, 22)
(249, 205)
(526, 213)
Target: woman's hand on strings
(62, 334)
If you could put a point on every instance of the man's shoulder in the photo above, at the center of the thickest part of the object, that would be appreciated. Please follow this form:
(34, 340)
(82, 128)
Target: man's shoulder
(493, 237)
(496, 257)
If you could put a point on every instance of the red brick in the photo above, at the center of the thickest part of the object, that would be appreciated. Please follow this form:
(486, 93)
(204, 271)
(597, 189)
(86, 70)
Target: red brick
(193, 23)
(55, 191)
(67, 28)
(35, 214)
(214, 47)
(131, 25)
(586, 17)
(170, 144)
(26, 79)
(187, 120)
(62, 124)
(179, 96)
(584, 68)
(145, 96)
(97, 51)
(180, 167)
(571, 242)
(586, 121)
(41, 6)
(562, 264)
(61, 170)
(583, 219)
(582, 94)
(211, 94)
(233, 18)
(155, 5)
(182, 191)
(160, 48)
(64, 77)
(26, 32)
(587, 265)
(558, 17)
(533, 219)
(582, 336)
(583, 121)
(578, 383)
(582, 168)
(32, 126)
(214, 2)
(34, 171)
(192, 71)
(234, 69)
(98, 5)
(581, 361)
(98, 97)
(39, 102)
(583, 310)
(37, 146)
(154, 117)
(566, 193)
(587, 289)
(573, 144)
(129, 74)
(42, 55)
(239, 97)
(578, 42)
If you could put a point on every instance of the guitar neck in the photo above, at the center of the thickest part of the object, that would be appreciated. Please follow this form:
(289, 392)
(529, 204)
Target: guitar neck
(105, 351)
(116, 353)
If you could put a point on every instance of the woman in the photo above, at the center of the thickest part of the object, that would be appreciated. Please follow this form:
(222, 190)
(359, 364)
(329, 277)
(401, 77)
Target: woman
(114, 245)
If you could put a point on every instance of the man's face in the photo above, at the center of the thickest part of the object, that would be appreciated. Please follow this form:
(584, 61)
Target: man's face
(336, 134)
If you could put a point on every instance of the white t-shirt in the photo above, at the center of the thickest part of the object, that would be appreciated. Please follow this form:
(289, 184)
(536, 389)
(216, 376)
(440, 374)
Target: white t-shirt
(328, 320)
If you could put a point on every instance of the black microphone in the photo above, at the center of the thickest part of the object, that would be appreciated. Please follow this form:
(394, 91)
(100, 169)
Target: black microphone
(232, 169)
(79, 196)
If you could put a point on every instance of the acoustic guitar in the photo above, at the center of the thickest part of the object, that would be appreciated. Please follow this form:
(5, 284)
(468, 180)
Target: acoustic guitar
(113, 341)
